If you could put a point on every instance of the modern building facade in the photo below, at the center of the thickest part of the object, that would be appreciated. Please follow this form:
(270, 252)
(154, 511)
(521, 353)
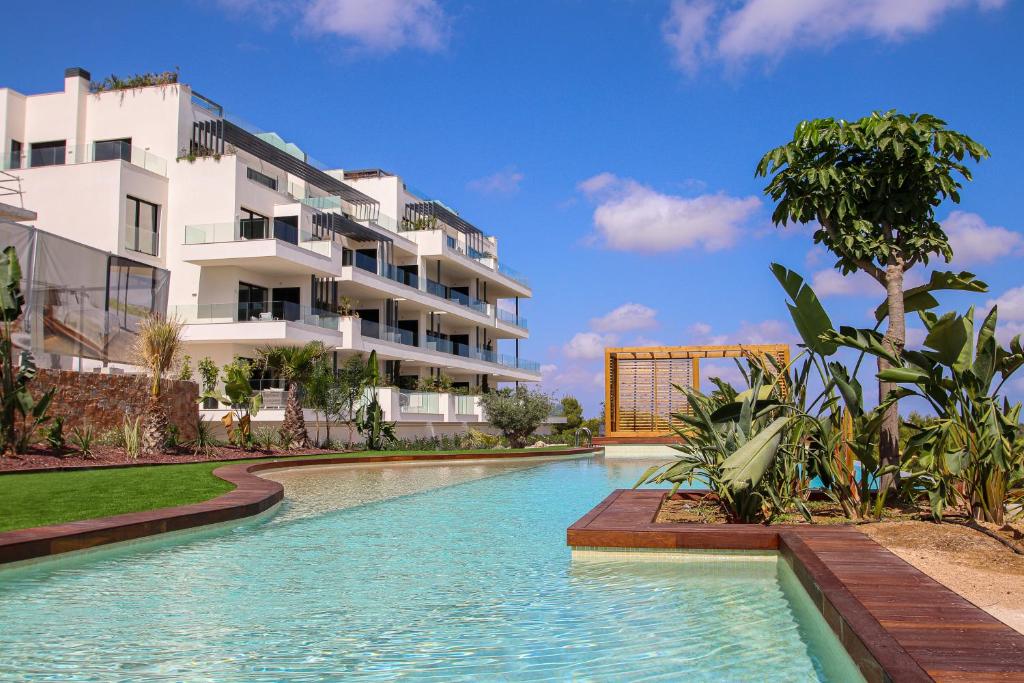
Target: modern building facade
(264, 246)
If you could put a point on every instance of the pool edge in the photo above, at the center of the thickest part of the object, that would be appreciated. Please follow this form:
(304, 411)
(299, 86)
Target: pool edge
(251, 496)
(897, 623)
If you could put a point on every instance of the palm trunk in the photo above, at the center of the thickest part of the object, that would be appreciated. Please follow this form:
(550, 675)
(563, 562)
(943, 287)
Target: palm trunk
(294, 422)
(895, 338)
(154, 427)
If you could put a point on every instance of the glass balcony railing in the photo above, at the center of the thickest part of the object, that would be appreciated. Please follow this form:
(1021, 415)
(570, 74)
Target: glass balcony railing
(388, 333)
(105, 150)
(251, 229)
(421, 402)
(510, 318)
(254, 311)
(465, 405)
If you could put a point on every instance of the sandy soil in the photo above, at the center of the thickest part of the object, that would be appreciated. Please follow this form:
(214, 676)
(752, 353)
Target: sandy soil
(977, 567)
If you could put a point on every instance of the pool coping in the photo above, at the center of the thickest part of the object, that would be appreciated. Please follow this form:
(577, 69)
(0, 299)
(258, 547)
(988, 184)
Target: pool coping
(251, 496)
(896, 622)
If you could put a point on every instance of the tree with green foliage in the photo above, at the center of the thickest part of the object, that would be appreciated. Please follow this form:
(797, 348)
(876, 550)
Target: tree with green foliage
(872, 186)
(295, 365)
(572, 410)
(20, 413)
(347, 394)
(517, 413)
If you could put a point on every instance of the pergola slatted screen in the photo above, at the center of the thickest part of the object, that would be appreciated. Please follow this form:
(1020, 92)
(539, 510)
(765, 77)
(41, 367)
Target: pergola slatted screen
(640, 398)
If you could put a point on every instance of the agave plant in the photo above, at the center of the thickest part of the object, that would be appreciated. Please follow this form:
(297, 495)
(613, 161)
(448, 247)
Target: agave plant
(973, 453)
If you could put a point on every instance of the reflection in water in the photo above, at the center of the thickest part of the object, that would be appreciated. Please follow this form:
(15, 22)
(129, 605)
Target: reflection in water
(313, 491)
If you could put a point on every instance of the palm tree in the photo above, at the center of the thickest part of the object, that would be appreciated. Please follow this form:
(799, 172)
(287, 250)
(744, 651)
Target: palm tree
(156, 348)
(295, 365)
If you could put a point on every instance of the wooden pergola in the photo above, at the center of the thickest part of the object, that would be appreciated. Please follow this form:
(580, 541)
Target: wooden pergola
(639, 395)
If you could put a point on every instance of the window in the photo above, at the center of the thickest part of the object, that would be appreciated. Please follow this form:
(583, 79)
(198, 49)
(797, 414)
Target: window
(47, 153)
(132, 291)
(261, 178)
(15, 159)
(253, 302)
(253, 226)
(105, 150)
(142, 229)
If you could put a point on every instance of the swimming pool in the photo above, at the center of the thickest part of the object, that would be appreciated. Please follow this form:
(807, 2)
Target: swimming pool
(358, 577)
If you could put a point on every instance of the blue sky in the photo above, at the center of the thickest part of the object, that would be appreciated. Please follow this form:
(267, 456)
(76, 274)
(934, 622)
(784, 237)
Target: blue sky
(610, 145)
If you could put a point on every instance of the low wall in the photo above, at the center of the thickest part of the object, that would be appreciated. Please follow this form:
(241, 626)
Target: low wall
(103, 401)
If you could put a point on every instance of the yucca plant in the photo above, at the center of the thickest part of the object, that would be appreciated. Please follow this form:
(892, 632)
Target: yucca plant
(131, 437)
(295, 365)
(82, 438)
(157, 346)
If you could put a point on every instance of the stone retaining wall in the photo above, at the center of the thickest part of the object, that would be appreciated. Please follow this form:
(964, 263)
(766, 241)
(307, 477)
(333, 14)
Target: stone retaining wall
(103, 401)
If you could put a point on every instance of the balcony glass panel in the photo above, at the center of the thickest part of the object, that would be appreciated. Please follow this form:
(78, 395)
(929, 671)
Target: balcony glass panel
(365, 262)
(465, 405)
(255, 311)
(386, 333)
(420, 402)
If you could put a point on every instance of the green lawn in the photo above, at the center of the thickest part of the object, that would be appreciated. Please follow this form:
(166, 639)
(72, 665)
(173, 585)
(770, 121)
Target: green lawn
(40, 498)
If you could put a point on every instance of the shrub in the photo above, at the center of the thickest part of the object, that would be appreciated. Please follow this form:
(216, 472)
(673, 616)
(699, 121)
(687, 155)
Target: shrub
(55, 435)
(185, 374)
(205, 441)
(82, 438)
(517, 413)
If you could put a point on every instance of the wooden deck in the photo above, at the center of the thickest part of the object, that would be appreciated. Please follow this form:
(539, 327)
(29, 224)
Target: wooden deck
(897, 623)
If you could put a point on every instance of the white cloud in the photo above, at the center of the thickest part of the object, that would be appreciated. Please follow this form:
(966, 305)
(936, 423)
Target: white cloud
(725, 369)
(698, 31)
(625, 318)
(588, 345)
(548, 369)
(762, 332)
(1011, 305)
(377, 25)
(830, 282)
(633, 217)
(505, 181)
(975, 241)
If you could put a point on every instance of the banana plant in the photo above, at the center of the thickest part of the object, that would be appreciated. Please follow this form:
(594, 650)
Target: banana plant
(370, 422)
(245, 403)
(21, 414)
(973, 454)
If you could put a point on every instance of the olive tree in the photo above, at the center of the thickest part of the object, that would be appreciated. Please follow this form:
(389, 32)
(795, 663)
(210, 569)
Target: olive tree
(872, 186)
(517, 413)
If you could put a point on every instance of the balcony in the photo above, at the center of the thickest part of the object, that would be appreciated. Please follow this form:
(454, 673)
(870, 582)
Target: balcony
(255, 321)
(107, 150)
(510, 318)
(265, 245)
(443, 347)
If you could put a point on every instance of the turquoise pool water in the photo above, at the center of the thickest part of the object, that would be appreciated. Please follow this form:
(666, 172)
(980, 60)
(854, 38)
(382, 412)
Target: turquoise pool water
(468, 580)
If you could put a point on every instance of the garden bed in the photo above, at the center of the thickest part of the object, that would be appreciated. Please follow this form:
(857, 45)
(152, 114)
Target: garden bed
(40, 458)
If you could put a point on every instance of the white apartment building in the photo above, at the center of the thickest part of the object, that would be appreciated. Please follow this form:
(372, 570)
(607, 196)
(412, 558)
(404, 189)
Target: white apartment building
(264, 246)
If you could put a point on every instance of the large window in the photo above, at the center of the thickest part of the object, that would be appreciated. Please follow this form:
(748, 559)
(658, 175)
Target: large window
(253, 302)
(47, 153)
(142, 229)
(261, 178)
(253, 226)
(105, 150)
(15, 158)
